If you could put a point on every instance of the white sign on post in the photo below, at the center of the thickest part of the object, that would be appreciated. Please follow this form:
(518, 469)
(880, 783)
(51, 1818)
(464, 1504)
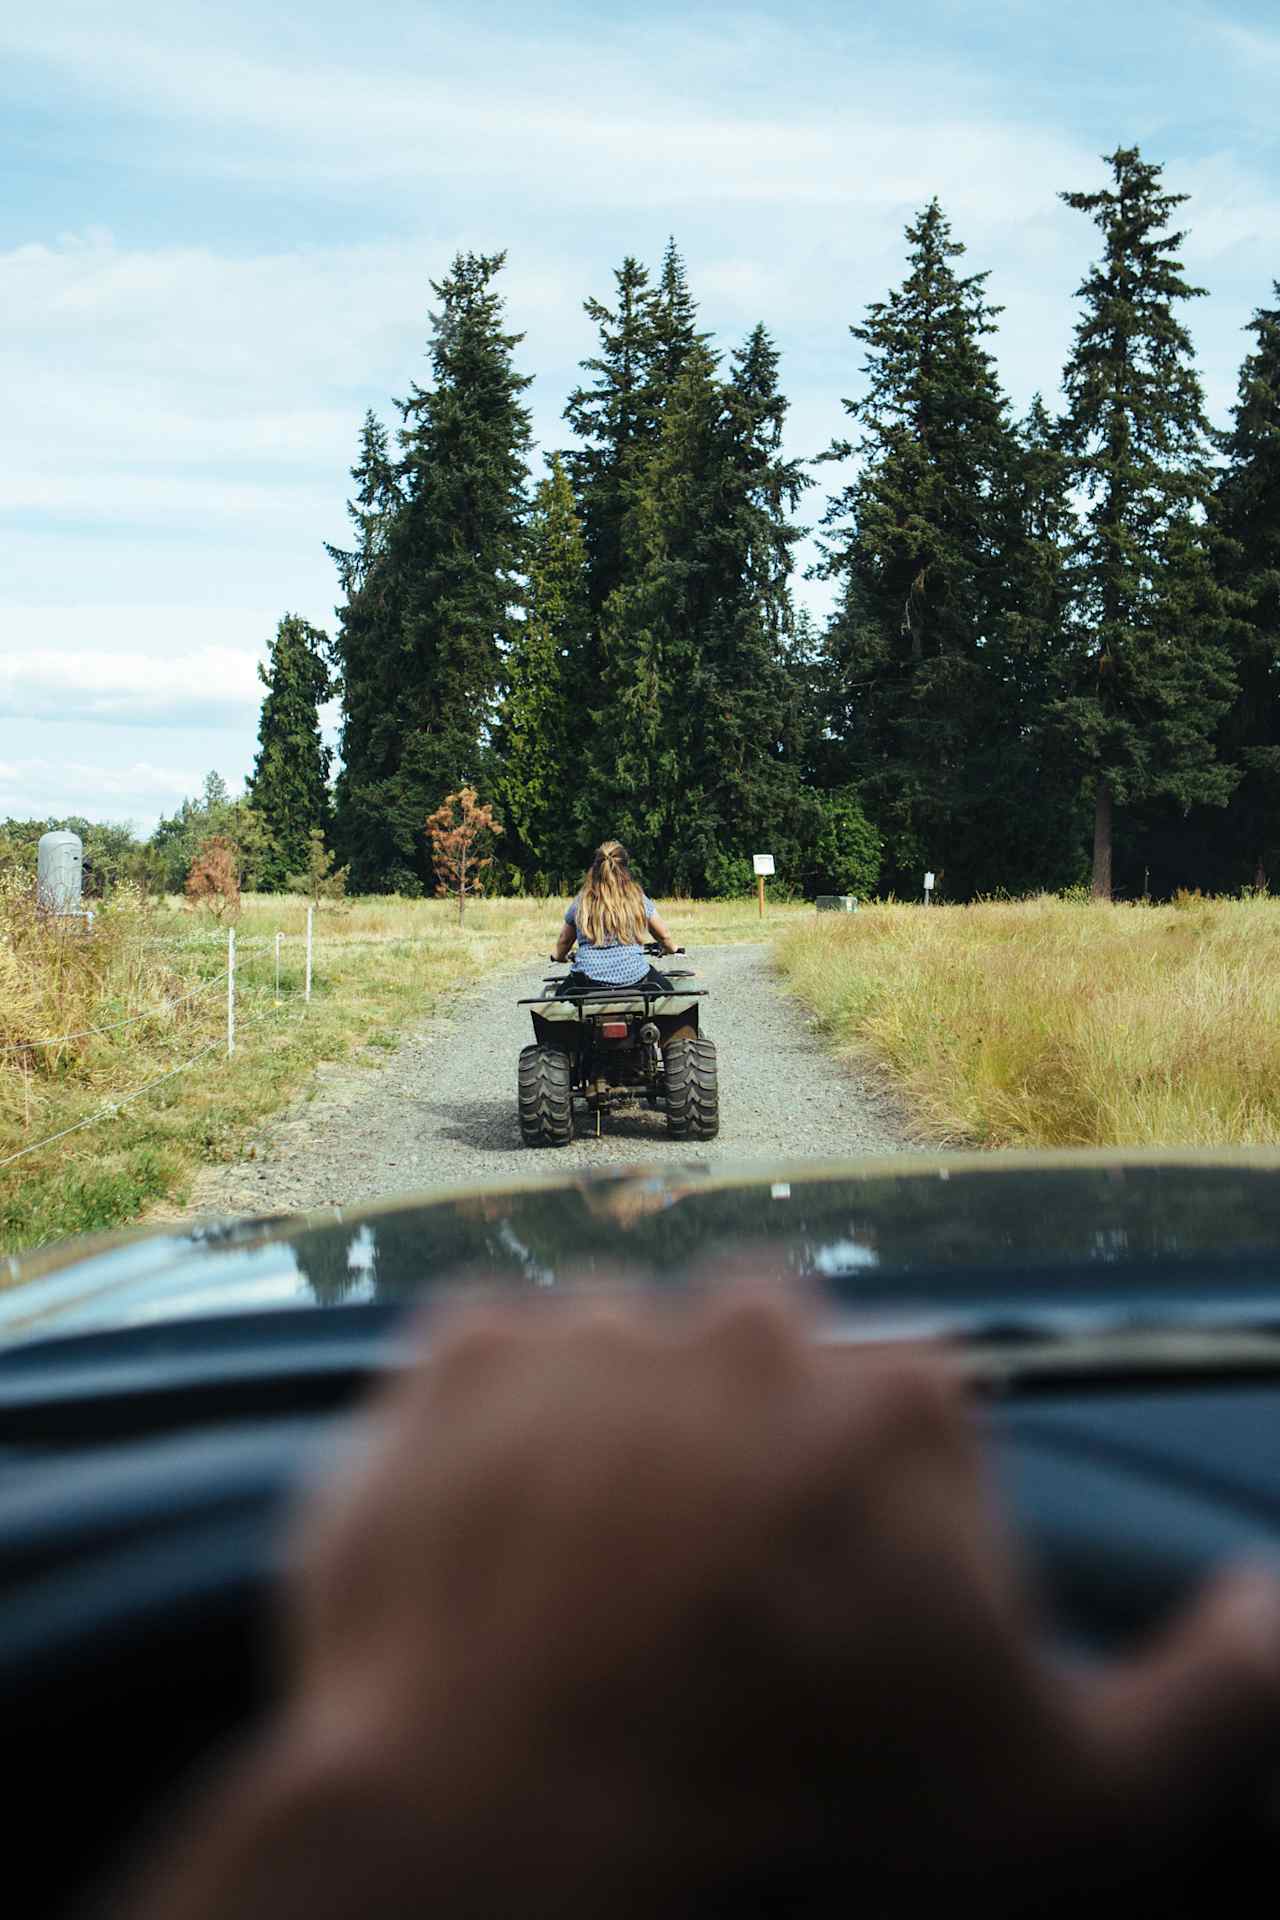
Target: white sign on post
(928, 883)
(763, 862)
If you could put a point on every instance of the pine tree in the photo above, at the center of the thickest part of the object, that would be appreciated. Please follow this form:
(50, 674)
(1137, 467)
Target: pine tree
(373, 511)
(674, 322)
(1154, 675)
(700, 727)
(747, 734)
(616, 418)
(915, 545)
(644, 340)
(368, 623)
(1246, 517)
(289, 787)
(1022, 763)
(636, 775)
(539, 739)
(427, 670)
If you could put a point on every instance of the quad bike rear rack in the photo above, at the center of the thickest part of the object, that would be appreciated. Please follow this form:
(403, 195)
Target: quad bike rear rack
(609, 994)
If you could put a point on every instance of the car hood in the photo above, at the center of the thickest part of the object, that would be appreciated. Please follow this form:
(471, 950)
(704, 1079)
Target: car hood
(1017, 1246)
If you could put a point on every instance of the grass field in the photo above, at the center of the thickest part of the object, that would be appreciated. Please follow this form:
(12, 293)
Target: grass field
(154, 978)
(1053, 1024)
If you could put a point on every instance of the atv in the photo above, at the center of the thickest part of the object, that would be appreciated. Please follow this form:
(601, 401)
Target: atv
(599, 1047)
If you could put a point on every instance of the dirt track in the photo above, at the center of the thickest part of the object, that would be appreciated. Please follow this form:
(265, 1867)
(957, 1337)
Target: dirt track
(442, 1110)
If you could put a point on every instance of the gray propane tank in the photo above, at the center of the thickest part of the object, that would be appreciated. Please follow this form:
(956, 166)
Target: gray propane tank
(59, 872)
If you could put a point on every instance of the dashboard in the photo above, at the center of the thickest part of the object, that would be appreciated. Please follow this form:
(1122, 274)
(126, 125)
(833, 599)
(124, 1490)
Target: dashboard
(145, 1478)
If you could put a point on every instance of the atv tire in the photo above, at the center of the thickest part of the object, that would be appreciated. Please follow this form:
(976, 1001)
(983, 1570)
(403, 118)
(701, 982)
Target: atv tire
(693, 1091)
(544, 1093)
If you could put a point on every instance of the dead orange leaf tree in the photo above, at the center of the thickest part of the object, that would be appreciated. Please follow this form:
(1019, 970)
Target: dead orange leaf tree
(213, 880)
(461, 830)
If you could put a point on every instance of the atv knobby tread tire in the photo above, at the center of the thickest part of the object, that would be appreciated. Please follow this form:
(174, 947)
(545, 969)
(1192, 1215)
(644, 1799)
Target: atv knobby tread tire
(693, 1090)
(544, 1093)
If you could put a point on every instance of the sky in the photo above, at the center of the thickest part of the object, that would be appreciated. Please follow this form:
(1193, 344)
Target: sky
(219, 224)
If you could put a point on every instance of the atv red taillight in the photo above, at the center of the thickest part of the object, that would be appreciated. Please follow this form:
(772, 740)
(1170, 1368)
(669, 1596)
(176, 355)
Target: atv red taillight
(614, 1029)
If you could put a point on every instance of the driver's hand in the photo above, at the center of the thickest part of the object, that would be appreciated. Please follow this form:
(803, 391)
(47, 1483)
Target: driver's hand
(630, 1596)
(623, 1604)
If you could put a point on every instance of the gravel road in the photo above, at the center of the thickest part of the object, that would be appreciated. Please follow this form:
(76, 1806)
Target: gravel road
(442, 1110)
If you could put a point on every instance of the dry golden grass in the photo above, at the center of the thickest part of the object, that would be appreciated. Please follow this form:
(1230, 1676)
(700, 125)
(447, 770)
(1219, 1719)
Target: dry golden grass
(382, 965)
(1054, 1024)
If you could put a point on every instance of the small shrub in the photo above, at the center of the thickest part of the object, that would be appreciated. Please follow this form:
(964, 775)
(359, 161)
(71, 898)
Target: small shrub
(322, 885)
(461, 831)
(730, 876)
(213, 881)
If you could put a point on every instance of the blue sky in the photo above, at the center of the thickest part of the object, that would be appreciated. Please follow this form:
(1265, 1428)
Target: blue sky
(218, 224)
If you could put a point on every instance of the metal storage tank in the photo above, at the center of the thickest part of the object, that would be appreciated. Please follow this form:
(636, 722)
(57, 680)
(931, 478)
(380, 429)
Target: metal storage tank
(59, 872)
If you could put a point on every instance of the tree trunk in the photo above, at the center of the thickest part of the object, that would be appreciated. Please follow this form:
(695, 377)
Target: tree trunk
(1260, 874)
(1102, 840)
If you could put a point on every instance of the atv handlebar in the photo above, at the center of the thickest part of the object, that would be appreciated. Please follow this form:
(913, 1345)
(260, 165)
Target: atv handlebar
(651, 947)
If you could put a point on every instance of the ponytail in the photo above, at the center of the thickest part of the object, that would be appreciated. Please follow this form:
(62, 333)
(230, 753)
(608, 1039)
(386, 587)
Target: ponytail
(610, 903)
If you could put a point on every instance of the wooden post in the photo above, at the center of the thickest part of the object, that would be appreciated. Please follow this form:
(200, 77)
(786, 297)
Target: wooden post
(310, 914)
(231, 991)
(278, 940)
(760, 885)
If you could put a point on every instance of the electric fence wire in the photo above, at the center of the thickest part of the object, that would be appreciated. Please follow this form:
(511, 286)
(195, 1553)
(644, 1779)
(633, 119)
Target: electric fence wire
(110, 1108)
(114, 1026)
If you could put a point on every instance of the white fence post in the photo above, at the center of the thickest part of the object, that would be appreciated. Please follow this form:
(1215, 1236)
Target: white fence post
(310, 912)
(231, 991)
(278, 939)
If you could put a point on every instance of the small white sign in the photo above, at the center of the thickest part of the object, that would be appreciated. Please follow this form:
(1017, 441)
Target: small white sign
(928, 883)
(763, 862)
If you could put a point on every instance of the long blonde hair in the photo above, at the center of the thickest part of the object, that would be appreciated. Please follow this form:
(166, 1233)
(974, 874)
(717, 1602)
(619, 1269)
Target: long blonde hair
(610, 903)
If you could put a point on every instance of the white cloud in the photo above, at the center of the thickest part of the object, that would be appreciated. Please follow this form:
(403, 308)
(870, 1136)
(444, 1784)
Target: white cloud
(527, 114)
(135, 689)
(41, 787)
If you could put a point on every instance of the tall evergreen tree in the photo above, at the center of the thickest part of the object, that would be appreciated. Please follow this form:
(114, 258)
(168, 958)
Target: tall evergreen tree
(1154, 675)
(289, 786)
(747, 738)
(1246, 516)
(539, 738)
(373, 511)
(427, 676)
(615, 417)
(675, 323)
(635, 766)
(701, 725)
(915, 544)
(367, 622)
(1021, 761)
(644, 340)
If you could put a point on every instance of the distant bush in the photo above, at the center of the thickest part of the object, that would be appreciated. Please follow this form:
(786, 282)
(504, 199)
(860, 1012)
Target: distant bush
(730, 876)
(322, 883)
(848, 848)
(213, 881)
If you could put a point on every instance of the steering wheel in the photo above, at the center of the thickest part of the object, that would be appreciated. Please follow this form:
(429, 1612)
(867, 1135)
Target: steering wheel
(139, 1580)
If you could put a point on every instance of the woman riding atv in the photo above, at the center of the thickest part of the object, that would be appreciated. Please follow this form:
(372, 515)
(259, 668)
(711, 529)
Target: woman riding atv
(611, 918)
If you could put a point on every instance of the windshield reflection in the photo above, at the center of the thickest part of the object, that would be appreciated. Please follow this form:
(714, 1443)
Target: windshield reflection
(876, 1238)
(1022, 1251)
